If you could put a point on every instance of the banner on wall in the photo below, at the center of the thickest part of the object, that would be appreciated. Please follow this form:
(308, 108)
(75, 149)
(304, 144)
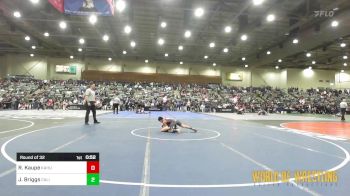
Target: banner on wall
(234, 76)
(224, 110)
(153, 109)
(88, 7)
(78, 107)
(58, 4)
(71, 69)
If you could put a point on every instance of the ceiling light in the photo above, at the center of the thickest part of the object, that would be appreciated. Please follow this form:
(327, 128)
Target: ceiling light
(225, 50)
(181, 62)
(132, 44)
(105, 37)
(245, 66)
(120, 5)
(180, 47)
(313, 62)
(31, 55)
(334, 23)
(244, 37)
(345, 57)
(80, 49)
(46, 34)
(205, 57)
(71, 57)
(199, 12)
(124, 52)
(345, 64)
(146, 61)
(277, 67)
(243, 58)
(268, 52)
(127, 29)
(188, 34)
(214, 64)
(161, 41)
(212, 45)
(342, 71)
(163, 24)
(81, 41)
(93, 19)
(343, 45)
(17, 14)
(33, 47)
(308, 54)
(258, 2)
(295, 41)
(280, 60)
(228, 29)
(110, 59)
(27, 38)
(62, 25)
(166, 54)
(34, 1)
(270, 18)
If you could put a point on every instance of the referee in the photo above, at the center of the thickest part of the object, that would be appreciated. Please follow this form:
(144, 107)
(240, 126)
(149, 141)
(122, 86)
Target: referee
(343, 107)
(116, 103)
(89, 101)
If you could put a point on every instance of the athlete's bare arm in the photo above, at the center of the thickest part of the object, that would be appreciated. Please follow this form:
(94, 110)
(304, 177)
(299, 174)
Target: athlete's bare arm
(165, 127)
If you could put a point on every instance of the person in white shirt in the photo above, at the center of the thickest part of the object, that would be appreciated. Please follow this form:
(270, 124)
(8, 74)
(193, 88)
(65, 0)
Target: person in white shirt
(188, 105)
(90, 101)
(116, 103)
(343, 107)
(202, 107)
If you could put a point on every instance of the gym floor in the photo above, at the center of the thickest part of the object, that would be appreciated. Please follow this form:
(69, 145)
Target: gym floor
(136, 159)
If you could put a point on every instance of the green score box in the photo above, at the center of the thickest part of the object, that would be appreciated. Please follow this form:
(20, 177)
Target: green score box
(93, 179)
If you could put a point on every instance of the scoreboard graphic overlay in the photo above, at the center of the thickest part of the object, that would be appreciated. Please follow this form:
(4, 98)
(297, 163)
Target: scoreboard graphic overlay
(58, 169)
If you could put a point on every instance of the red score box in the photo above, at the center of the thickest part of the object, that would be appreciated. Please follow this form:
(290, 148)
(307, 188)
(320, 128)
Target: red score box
(93, 167)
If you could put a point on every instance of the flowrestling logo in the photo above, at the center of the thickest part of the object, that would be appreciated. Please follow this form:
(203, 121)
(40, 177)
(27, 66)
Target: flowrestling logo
(323, 13)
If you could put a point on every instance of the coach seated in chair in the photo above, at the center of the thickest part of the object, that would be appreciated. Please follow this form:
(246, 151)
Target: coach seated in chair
(240, 109)
(262, 112)
(140, 108)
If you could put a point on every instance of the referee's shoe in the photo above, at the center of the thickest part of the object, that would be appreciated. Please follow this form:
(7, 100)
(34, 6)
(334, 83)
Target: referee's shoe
(96, 122)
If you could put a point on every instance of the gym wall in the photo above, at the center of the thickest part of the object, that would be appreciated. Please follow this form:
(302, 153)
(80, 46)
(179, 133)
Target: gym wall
(44, 68)
(22, 65)
(3, 68)
(269, 77)
(342, 80)
(307, 78)
(149, 77)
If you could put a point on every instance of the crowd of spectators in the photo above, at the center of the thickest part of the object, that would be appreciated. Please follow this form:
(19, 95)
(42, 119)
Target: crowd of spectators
(26, 94)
